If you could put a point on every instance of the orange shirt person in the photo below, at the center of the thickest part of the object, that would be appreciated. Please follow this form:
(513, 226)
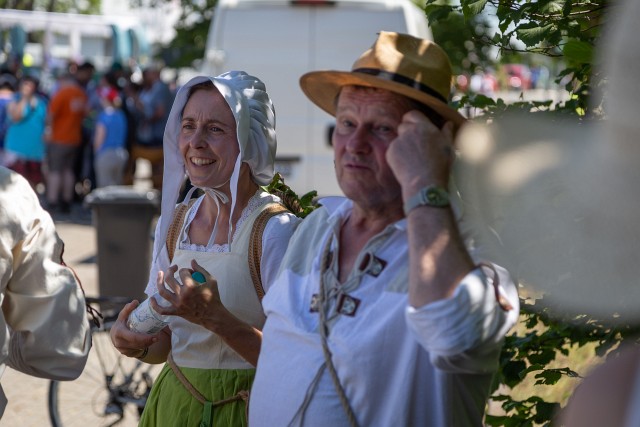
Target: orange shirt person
(66, 111)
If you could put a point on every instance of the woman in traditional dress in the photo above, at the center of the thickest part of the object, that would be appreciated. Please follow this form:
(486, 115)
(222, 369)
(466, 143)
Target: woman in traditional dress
(221, 133)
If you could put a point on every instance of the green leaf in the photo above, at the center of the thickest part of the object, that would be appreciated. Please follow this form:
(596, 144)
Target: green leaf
(471, 8)
(531, 33)
(300, 206)
(543, 357)
(482, 101)
(552, 7)
(513, 372)
(578, 52)
(545, 411)
(548, 377)
(437, 12)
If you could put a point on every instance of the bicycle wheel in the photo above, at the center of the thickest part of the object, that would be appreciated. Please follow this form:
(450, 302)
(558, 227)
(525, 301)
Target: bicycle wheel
(111, 390)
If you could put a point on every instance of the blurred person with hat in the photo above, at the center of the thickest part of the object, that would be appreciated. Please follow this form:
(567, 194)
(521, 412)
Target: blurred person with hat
(379, 315)
(110, 139)
(556, 202)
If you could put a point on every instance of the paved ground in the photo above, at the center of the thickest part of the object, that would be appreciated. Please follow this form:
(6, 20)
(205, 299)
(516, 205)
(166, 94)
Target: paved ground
(27, 395)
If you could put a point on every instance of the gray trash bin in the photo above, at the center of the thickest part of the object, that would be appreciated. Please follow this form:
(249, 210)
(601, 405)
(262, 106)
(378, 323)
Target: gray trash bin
(123, 217)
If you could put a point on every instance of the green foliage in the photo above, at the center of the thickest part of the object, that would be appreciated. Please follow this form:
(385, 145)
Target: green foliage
(564, 29)
(62, 6)
(471, 8)
(456, 35)
(300, 206)
(529, 354)
(192, 29)
(577, 52)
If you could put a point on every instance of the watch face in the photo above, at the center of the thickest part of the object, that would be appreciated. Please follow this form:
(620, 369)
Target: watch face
(428, 196)
(436, 196)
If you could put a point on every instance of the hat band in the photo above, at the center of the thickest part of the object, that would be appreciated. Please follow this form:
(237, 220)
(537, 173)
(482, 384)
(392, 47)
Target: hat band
(397, 78)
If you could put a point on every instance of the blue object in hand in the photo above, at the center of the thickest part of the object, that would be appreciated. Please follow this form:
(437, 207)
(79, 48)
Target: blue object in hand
(198, 277)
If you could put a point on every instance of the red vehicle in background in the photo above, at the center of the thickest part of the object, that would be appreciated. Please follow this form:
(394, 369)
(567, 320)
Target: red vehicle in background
(517, 76)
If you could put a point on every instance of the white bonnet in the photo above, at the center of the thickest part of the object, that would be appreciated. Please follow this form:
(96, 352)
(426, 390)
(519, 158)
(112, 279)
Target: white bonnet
(255, 118)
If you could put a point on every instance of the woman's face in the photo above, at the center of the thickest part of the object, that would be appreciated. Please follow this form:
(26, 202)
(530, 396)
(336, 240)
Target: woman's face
(207, 140)
(27, 88)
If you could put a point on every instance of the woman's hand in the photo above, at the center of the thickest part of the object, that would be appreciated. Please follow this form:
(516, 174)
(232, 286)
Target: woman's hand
(127, 342)
(198, 303)
(201, 304)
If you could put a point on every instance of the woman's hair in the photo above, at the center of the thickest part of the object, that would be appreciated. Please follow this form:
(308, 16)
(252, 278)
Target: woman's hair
(30, 78)
(208, 85)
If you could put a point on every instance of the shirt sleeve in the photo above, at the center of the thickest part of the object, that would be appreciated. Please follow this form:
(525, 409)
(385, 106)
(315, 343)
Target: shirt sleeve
(47, 329)
(463, 333)
(275, 241)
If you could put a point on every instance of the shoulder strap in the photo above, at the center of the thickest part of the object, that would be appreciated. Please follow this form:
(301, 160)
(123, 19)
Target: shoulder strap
(255, 244)
(176, 226)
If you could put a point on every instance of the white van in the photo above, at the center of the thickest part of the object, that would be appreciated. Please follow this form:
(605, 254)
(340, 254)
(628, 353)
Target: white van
(278, 41)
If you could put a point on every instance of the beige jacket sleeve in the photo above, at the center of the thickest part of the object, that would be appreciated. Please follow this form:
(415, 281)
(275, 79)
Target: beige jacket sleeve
(44, 329)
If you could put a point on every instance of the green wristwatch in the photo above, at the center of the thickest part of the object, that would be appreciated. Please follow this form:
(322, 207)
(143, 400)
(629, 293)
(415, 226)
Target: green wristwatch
(431, 195)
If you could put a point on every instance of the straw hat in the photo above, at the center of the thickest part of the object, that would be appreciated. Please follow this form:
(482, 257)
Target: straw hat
(557, 202)
(400, 63)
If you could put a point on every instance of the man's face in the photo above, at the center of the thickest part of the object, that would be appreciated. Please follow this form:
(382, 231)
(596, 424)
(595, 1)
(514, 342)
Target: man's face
(366, 124)
(84, 75)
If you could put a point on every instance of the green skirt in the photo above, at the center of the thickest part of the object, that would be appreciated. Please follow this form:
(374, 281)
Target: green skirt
(171, 404)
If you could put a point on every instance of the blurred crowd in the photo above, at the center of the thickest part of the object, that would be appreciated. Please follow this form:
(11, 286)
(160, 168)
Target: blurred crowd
(86, 130)
(506, 77)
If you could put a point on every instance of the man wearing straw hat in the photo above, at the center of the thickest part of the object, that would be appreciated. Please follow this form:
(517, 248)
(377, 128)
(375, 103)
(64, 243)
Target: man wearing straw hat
(380, 316)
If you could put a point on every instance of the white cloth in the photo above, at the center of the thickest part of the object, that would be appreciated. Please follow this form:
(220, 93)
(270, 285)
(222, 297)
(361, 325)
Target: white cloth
(44, 330)
(275, 240)
(428, 366)
(192, 345)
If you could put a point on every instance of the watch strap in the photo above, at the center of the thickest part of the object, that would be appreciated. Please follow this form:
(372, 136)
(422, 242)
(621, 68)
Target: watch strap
(430, 195)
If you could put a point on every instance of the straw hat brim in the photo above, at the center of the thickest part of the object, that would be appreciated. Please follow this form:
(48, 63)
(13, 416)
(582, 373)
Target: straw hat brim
(323, 87)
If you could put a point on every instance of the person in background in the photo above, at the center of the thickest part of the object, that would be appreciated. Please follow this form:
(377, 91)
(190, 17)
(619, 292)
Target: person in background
(221, 135)
(83, 168)
(110, 139)
(152, 107)
(24, 141)
(379, 315)
(66, 112)
(44, 330)
(8, 86)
